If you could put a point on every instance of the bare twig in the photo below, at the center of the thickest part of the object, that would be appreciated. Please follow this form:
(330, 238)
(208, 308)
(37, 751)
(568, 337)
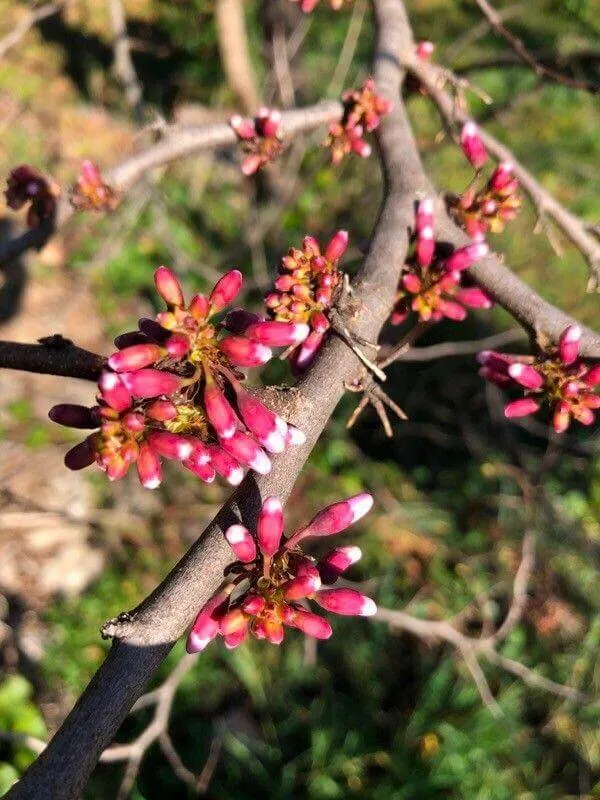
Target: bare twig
(235, 56)
(575, 229)
(528, 58)
(54, 356)
(348, 48)
(36, 15)
(123, 62)
(465, 348)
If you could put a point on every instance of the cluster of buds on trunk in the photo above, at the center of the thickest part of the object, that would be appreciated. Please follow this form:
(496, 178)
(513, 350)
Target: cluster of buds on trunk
(26, 185)
(557, 377)
(261, 138)
(268, 585)
(431, 285)
(309, 5)
(173, 390)
(488, 208)
(305, 292)
(91, 193)
(363, 110)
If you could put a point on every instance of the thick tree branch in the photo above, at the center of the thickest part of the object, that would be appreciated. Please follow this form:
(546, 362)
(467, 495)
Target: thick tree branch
(177, 143)
(146, 636)
(54, 356)
(433, 78)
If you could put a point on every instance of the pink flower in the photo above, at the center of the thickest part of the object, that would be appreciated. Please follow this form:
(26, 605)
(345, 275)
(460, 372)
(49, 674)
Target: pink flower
(472, 145)
(556, 377)
(303, 296)
(176, 392)
(489, 208)
(261, 138)
(424, 50)
(267, 588)
(26, 185)
(431, 285)
(91, 193)
(363, 110)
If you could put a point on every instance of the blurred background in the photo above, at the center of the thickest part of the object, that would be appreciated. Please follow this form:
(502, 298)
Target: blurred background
(375, 712)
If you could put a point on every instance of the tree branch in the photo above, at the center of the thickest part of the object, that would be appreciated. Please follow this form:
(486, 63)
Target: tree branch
(25, 25)
(575, 229)
(54, 356)
(177, 143)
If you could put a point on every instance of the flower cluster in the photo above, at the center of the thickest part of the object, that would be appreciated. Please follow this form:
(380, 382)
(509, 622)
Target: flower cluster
(166, 392)
(363, 109)
(479, 210)
(261, 138)
(309, 5)
(268, 585)
(27, 185)
(431, 285)
(557, 377)
(91, 193)
(305, 293)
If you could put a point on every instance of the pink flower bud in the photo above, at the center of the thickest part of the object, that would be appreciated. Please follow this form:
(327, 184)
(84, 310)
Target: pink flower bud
(306, 583)
(319, 322)
(113, 392)
(278, 334)
(361, 148)
(233, 621)
(206, 626)
(568, 344)
(134, 422)
(411, 283)
(561, 418)
(226, 466)
(198, 307)
(135, 357)
(583, 414)
(521, 408)
(269, 629)
(337, 562)
(200, 468)
(226, 290)
(499, 362)
(238, 319)
(246, 451)
(162, 410)
(337, 517)
(251, 164)
(148, 466)
(452, 310)
(310, 624)
(220, 413)
(270, 526)
(82, 455)
(241, 542)
(267, 427)
(526, 375)
(294, 436)
(424, 216)
(591, 400)
(253, 604)
(425, 247)
(592, 377)
(502, 175)
(307, 351)
(337, 246)
(474, 297)
(168, 287)
(467, 256)
(348, 602)
(245, 353)
(472, 146)
(244, 128)
(177, 346)
(170, 445)
(235, 639)
(425, 50)
(150, 382)
(73, 416)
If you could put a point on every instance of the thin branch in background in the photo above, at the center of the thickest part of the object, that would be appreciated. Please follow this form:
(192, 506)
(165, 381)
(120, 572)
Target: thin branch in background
(232, 38)
(575, 229)
(464, 348)
(528, 58)
(476, 32)
(123, 62)
(281, 64)
(348, 48)
(24, 26)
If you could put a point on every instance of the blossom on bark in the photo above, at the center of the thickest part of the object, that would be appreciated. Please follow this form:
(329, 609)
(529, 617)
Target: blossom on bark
(488, 208)
(261, 138)
(26, 185)
(556, 377)
(424, 49)
(305, 292)
(173, 389)
(91, 193)
(431, 285)
(363, 110)
(472, 145)
(268, 585)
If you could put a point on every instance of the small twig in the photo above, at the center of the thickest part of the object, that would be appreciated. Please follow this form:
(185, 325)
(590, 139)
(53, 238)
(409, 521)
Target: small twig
(348, 48)
(35, 16)
(282, 66)
(123, 62)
